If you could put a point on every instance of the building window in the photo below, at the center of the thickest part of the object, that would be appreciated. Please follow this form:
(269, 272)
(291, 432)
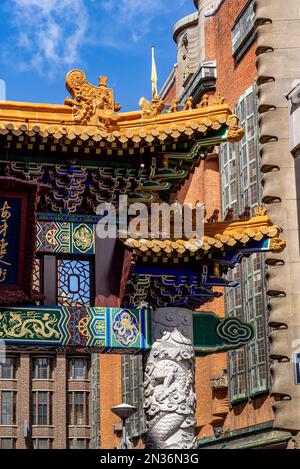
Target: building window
(79, 368)
(132, 390)
(42, 443)
(42, 368)
(42, 408)
(79, 443)
(240, 176)
(74, 282)
(8, 368)
(243, 31)
(8, 408)
(78, 404)
(7, 443)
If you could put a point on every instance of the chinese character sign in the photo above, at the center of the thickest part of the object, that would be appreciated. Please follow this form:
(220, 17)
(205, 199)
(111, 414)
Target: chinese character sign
(10, 219)
(17, 240)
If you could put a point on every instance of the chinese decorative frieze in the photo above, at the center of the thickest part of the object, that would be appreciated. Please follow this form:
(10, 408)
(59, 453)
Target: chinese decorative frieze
(64, 237)
(100, 329)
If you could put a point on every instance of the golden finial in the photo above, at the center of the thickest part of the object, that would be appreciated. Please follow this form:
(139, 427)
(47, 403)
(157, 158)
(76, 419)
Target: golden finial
(154, 78)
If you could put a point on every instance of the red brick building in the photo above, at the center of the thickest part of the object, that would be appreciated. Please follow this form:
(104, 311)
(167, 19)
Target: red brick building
(217, 54)
(46, 401)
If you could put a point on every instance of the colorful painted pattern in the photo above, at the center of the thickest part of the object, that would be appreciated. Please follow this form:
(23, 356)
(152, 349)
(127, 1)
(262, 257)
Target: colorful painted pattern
(105, 329)
(64, 237)
(111, 330)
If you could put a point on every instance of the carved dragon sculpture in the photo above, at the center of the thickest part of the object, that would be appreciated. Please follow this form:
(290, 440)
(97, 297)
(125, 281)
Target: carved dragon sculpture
(169, 386)
(91, 104)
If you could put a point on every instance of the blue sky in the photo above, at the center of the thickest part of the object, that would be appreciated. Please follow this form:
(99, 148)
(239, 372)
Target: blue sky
(41, 40)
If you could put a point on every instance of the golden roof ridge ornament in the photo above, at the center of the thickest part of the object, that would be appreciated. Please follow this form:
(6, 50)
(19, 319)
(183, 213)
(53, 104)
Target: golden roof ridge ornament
(152, 108)
(154, 78)
(94, 105)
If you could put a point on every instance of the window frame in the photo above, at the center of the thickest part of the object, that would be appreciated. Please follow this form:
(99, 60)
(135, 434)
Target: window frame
(37, 415)
(36, 441)
(132, 393)
(86, 368)
(13, 407)
(72, 412)
(36, 370)
(14, 368)
(86, 445)
(241, 29)
(74, 257)
(12, 440)
(242, 301)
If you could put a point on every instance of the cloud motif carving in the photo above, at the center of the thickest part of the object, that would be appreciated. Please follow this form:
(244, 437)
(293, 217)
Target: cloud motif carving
(234, 331)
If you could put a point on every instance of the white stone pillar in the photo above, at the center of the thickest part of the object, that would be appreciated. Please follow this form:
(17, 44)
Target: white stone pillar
(170, 399)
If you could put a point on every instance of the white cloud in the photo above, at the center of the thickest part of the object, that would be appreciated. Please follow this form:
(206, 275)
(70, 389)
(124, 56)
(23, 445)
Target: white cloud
(51, 32)
(139, 15)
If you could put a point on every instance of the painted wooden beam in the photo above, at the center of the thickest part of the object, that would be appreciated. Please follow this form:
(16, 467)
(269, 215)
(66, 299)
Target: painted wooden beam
(111, 330)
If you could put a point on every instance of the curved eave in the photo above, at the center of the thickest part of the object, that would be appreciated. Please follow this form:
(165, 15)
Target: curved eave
(57, 121)
(235, 235)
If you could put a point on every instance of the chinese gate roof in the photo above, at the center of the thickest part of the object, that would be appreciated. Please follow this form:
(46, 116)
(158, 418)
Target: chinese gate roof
(217, 236)
(89, 152)
(92, 116)
(185, 272)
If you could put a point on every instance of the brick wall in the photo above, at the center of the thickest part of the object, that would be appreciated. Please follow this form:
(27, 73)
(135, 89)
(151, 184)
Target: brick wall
(58, 432)
(110, 396)
(233, 78)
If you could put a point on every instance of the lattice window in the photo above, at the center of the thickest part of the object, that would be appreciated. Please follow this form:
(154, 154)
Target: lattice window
(248, 367)
(37, 275)
(132, 382)
(74, 282)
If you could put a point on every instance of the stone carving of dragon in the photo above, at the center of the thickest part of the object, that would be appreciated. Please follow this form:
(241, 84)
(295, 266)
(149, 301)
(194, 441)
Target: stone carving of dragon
(32, 326)
(169, 382)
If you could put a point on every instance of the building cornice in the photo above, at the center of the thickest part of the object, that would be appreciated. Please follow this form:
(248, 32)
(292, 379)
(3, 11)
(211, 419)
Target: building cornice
(184, 23)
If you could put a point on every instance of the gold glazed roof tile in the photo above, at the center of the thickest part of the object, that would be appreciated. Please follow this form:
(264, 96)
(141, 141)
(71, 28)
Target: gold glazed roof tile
(217, 236)
(93, 113)
(39, 124)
